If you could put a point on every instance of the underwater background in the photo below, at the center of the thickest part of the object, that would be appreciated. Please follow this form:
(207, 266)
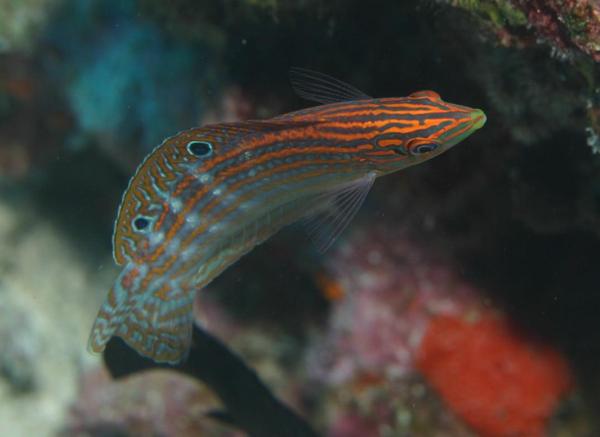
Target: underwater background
(464, 298)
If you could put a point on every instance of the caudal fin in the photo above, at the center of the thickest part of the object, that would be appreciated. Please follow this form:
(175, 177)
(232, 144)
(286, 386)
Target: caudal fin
(156, 327)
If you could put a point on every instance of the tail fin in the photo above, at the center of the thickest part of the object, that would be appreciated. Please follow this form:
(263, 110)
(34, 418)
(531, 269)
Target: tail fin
(157, 328)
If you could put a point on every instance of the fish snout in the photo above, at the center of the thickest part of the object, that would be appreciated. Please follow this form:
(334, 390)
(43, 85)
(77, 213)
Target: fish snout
(478, 118)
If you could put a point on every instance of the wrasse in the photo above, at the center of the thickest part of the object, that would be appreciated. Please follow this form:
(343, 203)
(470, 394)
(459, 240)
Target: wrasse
(208, 195)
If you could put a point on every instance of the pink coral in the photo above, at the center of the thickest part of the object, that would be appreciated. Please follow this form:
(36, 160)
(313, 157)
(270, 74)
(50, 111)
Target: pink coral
(352, 425)
(158, 402)
(392, 290)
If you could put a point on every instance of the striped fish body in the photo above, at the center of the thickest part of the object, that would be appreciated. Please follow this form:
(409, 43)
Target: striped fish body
(207, 196)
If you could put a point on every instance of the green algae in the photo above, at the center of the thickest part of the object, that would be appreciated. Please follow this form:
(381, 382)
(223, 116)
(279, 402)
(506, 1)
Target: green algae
(576, 25)
(500, 13)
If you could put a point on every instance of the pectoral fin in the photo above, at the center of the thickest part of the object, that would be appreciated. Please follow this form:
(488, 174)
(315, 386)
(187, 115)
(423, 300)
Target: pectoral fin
(334, 210)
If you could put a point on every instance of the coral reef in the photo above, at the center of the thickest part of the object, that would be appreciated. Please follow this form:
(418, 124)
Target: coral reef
(567, 26)
(405, 312)
(491, 376)
(125, 109)
(517, 86)
(572, 30)
(498, 237)
(150, 403)
(392, 407)
(391, 292)
(160, 87)
(43, 332)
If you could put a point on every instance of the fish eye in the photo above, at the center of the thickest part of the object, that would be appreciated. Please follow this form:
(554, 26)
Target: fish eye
(141, 223)
(200, 149)
(423, 148)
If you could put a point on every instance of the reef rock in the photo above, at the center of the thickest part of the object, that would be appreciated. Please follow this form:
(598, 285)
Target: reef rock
(568, 27)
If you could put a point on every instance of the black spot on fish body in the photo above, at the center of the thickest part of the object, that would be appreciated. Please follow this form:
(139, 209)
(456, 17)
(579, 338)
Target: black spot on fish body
(141, 223)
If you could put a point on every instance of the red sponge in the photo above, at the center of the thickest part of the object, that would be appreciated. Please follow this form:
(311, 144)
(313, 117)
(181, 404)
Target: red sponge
(499, 382)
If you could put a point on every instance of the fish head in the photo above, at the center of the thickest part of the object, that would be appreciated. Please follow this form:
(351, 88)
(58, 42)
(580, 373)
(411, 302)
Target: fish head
(420, 127)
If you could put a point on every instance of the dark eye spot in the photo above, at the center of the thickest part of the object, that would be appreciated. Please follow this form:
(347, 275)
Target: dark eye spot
(424, 148)
(141, 223)
(200, 149)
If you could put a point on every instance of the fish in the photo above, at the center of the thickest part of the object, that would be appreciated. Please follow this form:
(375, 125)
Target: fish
(207, 196)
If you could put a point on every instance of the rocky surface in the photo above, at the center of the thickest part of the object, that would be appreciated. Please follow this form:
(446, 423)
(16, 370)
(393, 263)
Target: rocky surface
(48, 296)
(150, 403)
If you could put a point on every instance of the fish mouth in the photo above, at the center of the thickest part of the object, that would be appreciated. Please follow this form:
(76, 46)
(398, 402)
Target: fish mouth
(478, 119)
(474, 120)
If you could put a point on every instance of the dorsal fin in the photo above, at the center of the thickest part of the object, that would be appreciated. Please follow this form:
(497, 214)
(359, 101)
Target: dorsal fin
(321, 88)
